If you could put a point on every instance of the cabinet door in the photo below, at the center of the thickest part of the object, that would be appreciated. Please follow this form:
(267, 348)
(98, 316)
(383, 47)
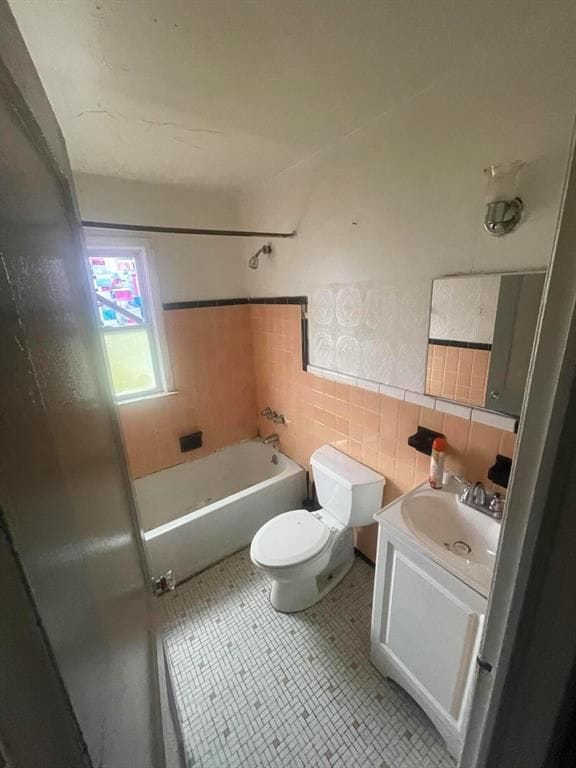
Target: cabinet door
(430, 628)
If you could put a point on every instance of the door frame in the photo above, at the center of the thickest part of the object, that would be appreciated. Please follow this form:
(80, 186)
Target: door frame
(530, 636)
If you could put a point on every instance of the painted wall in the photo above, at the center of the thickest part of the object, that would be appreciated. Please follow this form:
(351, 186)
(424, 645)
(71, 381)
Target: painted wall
(188, 267)
(400, 201)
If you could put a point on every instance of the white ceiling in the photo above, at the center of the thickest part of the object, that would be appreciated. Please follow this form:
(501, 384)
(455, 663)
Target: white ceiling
(228, 92)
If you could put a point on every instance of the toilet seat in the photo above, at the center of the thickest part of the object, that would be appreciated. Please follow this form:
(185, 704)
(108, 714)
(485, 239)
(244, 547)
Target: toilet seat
(289, 539)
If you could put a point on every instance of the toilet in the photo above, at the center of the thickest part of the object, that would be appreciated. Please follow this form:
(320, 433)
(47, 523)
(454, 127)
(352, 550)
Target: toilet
(305, 554)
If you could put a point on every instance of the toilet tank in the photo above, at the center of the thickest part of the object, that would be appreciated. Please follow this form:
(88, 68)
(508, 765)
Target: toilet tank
(348, 490)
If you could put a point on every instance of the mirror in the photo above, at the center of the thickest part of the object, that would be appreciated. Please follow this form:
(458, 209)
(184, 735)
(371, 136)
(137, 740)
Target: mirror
(480, 338)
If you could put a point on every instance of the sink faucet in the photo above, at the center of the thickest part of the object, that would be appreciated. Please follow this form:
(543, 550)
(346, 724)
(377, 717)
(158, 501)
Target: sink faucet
(271, 439)
(474, 495)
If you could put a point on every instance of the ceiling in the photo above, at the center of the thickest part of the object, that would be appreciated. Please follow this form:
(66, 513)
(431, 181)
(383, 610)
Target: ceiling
(230, 92)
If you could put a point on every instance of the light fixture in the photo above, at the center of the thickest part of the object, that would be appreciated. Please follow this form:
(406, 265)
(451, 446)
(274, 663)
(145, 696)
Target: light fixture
(254, 261)
(503, 206)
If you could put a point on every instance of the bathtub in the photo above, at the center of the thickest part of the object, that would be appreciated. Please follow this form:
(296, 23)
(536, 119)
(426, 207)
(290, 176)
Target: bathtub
(201, 511)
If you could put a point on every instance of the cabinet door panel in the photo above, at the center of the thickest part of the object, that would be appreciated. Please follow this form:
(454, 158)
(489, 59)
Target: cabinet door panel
(431, 631)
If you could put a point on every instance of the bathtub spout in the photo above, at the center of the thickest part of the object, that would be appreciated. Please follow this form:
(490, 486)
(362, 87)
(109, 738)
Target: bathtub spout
(271, 439)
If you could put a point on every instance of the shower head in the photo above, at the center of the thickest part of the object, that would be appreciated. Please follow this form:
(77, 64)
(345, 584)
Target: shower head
(254, 261)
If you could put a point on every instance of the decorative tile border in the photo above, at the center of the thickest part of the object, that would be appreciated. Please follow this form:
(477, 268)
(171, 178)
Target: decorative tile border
(461, 344)
(480, 415)
(302, 300)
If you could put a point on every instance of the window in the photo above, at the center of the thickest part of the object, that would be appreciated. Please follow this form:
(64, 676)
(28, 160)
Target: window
(127, 318)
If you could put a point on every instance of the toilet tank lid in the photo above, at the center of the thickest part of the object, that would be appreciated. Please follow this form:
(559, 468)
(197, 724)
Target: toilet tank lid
(344, 468)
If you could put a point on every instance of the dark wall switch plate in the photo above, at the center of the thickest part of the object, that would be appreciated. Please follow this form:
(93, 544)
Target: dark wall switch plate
(190, 442)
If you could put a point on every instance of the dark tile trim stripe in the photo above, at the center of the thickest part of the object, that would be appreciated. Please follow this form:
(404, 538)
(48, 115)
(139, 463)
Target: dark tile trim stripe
(302, 300)
(462, 344)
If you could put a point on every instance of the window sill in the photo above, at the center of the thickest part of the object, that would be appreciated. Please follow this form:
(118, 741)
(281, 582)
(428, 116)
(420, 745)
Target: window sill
(144, 398)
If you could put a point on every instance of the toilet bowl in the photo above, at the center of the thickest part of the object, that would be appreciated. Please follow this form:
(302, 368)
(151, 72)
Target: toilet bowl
(305, 554)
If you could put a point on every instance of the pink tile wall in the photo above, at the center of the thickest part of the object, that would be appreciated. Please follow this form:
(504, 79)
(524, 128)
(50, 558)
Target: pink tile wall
(231, 362)
(211, 356)
(366, 425)
(457, 373)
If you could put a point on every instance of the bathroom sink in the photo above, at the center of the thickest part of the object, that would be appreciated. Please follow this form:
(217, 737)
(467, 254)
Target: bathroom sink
(461, 539)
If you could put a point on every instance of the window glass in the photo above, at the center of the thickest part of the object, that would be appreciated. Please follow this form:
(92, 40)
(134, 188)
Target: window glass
(131, 363)
(126, 319)
(117, 288)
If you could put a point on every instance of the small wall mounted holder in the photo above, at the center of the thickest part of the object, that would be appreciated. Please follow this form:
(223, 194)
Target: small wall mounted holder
(499, 473)
(190, 442)
(422, 440)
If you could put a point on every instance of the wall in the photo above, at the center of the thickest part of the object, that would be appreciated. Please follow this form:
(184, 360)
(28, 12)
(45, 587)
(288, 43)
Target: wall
(64, 490)
(400, 201)
(458, 373)
(210, 351)
(189, 267)
(464, 308)
(366, 425)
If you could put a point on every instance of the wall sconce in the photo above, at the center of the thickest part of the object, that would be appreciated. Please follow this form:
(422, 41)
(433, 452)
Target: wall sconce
(503, 206)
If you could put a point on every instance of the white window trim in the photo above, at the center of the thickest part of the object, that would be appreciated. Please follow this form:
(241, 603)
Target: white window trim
(148, 263)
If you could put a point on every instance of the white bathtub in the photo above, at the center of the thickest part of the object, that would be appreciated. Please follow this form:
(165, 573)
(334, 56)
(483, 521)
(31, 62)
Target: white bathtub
(201, 511)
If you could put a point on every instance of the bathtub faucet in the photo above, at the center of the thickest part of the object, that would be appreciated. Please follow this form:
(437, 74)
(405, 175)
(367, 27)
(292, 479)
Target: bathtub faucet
(271, 439)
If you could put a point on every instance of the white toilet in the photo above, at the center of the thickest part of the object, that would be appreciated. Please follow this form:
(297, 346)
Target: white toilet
(306, 554)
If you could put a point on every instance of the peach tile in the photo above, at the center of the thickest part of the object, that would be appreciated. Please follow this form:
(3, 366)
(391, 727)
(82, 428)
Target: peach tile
(407, 420)
(404, 476)
(507, 444)
(431, 419)
(367, 539)
(451, 359)
(355, 447)
(355, 431)
(356, 414)
(230, 364)
(335, 389)
(372, 401)
(330, 420)
(386, 465)
(357, 396)
(370, 456)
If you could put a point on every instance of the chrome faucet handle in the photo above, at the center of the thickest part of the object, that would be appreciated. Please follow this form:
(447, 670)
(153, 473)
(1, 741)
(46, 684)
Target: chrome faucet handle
(266, 412)
(278, 418)
(496, 506)
(466, 488)
(479, 494)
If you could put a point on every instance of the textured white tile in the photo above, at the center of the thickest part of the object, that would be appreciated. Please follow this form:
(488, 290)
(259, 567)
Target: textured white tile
(454, 409)
(491, 419)
(257, 688)
(396, 392)
(424, 400)
(371, 386)
(314, 370)
(346, 379)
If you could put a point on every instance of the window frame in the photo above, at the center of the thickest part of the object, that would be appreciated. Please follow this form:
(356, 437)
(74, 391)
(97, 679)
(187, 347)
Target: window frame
(141, 251)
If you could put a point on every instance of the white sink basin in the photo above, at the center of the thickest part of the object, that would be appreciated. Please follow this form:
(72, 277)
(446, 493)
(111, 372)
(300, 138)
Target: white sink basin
(461, 539)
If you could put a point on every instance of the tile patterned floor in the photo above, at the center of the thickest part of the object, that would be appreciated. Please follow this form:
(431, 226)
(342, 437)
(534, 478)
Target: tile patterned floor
(256, 688)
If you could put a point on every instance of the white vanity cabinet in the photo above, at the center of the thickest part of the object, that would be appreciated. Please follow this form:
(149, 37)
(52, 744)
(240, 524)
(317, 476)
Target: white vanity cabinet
(426, 628)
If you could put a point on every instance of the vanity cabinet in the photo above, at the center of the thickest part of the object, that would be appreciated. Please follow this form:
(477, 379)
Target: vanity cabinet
(426, 628)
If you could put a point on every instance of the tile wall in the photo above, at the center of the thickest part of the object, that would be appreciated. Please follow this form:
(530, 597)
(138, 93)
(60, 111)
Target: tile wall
(229, 363)
(370, 426)
(457, 373)
(210, 351)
